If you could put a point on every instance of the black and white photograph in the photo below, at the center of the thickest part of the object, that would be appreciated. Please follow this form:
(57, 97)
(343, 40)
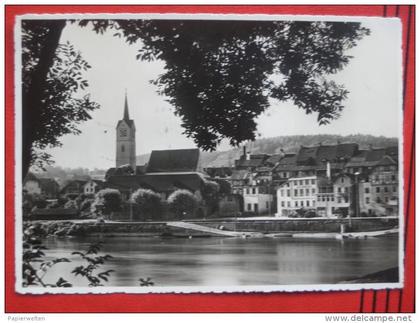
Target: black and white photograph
(162, 153)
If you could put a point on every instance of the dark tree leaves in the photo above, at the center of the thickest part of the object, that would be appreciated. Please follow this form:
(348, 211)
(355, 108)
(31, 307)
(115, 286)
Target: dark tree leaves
(220, 75)
(52, 104)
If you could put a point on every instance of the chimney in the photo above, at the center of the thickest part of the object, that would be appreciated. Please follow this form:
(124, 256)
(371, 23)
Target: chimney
(248, 155)
(328, 170)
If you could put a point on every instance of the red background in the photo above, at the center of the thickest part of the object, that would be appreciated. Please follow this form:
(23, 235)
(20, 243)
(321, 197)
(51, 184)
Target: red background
(398, 300)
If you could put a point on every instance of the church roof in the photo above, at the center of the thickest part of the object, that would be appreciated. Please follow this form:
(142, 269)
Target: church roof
(174, 160)
(159, 182)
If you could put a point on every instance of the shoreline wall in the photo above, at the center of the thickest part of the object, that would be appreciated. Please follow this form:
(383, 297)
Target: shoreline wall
(69, 228)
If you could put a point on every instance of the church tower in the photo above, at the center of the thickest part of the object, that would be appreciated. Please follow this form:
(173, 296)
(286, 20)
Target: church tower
(126, 140)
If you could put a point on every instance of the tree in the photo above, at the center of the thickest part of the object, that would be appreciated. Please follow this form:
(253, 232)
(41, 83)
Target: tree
(210, 193)
(52, 75)
(183, 203)
(219, 75)
(149, 203)
(224, 187)
(107, 201)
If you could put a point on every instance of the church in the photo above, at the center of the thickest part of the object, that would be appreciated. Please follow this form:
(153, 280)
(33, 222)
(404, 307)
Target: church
(166, 171)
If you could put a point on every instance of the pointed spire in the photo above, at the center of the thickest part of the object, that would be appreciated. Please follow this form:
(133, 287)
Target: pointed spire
(126, 115)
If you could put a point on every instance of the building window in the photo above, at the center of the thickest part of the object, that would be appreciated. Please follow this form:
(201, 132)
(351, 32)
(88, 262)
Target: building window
(249, 207)
(256, 207)
(394, 189)
(307, 192)
(296, 193)
(123, 132)
(378, 200)
(367, 190)
(301, 203)
(307, 203)
(306, 181)
(288, 204)
(378, 190)
(282, 203)
(367, 200)
(393, 177)
(266, 205)
(339, 190)
(253, 190)
(313, 182)
(288, 193)
(386, 199)
(296, 204)
(313, 191)
(386, 189)
(339, 200)
(342, 180)
(301, 192)
(122, 148)
(281, 193)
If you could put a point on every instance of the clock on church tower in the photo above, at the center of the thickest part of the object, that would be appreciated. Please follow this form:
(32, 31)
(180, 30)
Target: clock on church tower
(126, 140)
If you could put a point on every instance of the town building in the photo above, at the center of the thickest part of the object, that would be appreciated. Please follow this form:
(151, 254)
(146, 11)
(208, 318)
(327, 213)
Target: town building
(296, 193)
(93, 186)
(73, 188)
(257, 199)
(46, 187)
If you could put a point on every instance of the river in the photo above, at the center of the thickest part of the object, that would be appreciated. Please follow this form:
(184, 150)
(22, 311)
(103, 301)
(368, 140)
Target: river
(227, 261)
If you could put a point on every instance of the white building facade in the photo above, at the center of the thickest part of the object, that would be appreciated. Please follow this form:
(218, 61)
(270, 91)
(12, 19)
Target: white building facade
(297, 193)
(257, 200)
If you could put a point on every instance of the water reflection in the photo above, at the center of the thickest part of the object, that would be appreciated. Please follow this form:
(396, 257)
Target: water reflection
(230, 261)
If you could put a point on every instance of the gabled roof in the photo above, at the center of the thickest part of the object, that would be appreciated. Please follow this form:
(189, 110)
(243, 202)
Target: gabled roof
(239, 174)
(158, 182)
(386, 161)
(321, 154)
(307, 154)
(273, 160)
(372, 157)
(175, 160)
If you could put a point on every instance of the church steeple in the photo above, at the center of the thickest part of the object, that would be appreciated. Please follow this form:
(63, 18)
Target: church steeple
(126, 114)
(126, 139)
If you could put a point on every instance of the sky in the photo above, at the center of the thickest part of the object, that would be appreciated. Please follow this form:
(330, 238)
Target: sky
(373, 78)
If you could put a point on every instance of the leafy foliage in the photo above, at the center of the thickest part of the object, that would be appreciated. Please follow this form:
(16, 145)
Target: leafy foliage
(210, 194)
(94, 262)
(183, 203)
(33, 253)
(149, 203)
(220, 75)
(106, 201)
(146, 282)
(53, 82)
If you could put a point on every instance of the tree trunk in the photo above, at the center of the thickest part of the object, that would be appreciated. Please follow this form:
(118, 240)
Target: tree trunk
(32, 98)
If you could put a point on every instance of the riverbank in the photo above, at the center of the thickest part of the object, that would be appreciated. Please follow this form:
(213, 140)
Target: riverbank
(274, 226)
(390, 275)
